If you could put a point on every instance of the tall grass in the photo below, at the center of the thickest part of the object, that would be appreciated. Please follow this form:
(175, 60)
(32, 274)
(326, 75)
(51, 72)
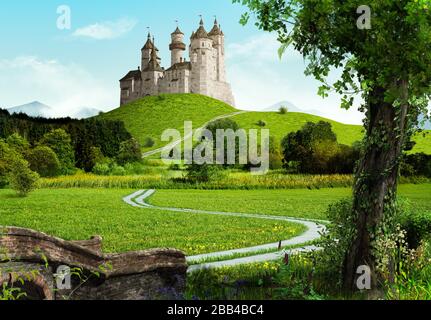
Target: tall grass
(235, 180)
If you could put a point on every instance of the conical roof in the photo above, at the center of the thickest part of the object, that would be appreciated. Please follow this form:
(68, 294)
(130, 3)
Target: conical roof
(215, 31)
(177, 31)
(201, 33)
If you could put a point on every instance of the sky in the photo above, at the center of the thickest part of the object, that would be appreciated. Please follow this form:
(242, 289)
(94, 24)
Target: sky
(80, 66)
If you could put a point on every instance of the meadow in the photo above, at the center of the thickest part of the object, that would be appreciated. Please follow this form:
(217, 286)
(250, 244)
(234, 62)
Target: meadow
(78, 214)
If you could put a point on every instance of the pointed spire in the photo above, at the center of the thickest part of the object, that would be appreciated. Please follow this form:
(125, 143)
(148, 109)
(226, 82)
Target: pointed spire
(215, 20)
(201, 23)
(215, 31)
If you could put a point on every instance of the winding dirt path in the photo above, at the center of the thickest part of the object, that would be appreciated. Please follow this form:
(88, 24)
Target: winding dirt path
(173, 144)
(313, 232)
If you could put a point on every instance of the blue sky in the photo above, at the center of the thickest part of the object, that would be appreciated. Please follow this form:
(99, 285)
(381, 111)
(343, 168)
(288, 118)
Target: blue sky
(80, 67)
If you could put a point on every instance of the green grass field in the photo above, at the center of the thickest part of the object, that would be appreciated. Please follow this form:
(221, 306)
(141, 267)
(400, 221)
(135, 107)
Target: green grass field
(77, 214)
(301, 203)
(150, 116)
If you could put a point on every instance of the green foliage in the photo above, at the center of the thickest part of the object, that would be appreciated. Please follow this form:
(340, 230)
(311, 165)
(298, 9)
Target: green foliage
(18, 143)
(81, 134)
(314, 149)
(44, 161)
(336, 241)
(61, 143)
(417, 224)
(261, 123)
(418, 164)
(149, 142)
(21, 178)
(204, 173)
(283, 110)
(6, 154)
(130, 151)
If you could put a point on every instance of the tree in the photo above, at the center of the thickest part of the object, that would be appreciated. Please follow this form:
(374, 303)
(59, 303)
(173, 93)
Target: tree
(6, 155)
(18, 143)
(21, 178)
(60, 142)
(388, 61)
(312, 147)
(44, 161)
(130, 151)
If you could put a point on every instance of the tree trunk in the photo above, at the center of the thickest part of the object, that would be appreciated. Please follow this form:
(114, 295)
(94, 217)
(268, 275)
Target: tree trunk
(376, 180)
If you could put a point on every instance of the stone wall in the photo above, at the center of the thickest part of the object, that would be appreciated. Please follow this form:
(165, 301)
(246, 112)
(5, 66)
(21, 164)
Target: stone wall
(150, 274)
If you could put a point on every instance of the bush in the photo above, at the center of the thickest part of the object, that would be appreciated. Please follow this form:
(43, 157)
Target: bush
(261, 123)
(118, 170)
(18, 143)
(44, 161)
(283, 110)
(130, 151)
(21, 178)
(418, 164)
(101, 169)
(61, 143)
(417, 226)
(204, 173)
(149, 142)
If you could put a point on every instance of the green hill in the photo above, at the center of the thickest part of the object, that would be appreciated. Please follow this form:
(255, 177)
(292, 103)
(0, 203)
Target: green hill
(282, 124)
(150, 116)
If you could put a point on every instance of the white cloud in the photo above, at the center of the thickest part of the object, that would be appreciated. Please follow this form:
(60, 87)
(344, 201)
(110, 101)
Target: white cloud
(260, 79)
(107, 29)
(66, 88)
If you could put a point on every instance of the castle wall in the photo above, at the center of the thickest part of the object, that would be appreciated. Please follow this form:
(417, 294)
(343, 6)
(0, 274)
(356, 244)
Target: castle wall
(207, 75)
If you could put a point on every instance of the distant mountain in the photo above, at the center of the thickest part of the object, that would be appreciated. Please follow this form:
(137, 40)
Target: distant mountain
(292, 108)
(38, 109)
(86, 112)
(32, 109)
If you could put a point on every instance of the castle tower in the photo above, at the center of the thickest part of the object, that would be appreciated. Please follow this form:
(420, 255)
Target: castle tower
(201, 57)
(152, 74)
(177, 46)
(218, 44)
(146, 53)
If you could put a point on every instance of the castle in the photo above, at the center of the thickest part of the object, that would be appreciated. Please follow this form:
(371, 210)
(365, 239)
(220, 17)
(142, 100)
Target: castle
(204, 73)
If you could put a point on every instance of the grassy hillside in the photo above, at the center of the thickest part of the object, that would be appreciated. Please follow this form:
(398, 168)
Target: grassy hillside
(150, 116)
(281, 124)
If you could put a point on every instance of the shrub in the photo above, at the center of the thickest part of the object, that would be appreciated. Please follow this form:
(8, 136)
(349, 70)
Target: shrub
(149, 142)
(204, 172)
(61, 143)
(417, 226)
(101, 169)
(261, 123)
(418, 164)
(18, 143)
(117, 170)
(130, 151)
(283, 110)
(21, 178)
(44, 161)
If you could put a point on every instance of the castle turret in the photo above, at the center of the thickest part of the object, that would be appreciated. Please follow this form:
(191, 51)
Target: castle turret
(152, 74)
(218, 44)
(146, 53)
(201, 57)
(177, 46)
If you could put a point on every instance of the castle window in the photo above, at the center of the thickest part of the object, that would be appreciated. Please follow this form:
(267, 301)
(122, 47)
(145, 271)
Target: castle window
(133, 85)
(203, 44)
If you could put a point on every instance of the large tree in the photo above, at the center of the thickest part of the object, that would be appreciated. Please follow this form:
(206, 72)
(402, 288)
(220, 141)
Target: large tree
(385, 57)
